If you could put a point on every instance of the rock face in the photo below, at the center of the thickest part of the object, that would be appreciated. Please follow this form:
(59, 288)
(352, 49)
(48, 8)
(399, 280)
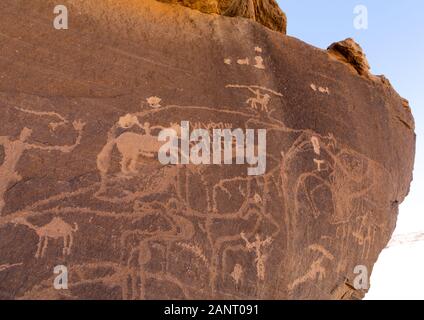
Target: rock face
(81, 185)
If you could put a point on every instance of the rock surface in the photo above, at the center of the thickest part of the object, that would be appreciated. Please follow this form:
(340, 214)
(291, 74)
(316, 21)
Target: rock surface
(81, 107)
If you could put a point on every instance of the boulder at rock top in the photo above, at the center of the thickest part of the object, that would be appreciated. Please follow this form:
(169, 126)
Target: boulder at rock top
(83, 194)
(266, 12)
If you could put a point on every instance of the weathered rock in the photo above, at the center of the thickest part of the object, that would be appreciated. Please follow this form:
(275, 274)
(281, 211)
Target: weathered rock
(80, 112)
(350, 52)
(266, 12)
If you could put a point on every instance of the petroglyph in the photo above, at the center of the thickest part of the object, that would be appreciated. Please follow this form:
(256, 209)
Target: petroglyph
(261, 99)
(135, 270)
(315, 144)
(316, 271)
(128, 121)
(154, 102)
(258, 59)
(196, 250)
(14, 148)
(257, 247)
(237, 273)
(55, 229)
(323, 90)
(54, 124)
(319, 248)
(132, 146)
(365, 234)
(244, 61)
(349, 178)
(186, 231)
(140, 250)
(214, 262)
(212, 125)
(319, 164)
(152, 237)
(7, 266)
(257, 198)
(259, 63)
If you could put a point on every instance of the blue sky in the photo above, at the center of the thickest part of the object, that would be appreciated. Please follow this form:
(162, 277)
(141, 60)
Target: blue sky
(394, 45)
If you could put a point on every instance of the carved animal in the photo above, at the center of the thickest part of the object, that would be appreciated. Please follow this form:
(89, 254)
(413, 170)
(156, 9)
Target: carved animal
(260, 102)
(132, 146)
(55, 229)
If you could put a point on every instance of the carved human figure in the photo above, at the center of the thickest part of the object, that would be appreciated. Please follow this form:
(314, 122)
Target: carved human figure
(13, 151)
(260, 101)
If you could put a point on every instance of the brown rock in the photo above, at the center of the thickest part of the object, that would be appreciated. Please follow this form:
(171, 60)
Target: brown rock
(266, 12)
(351, 53)
(81, 185)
